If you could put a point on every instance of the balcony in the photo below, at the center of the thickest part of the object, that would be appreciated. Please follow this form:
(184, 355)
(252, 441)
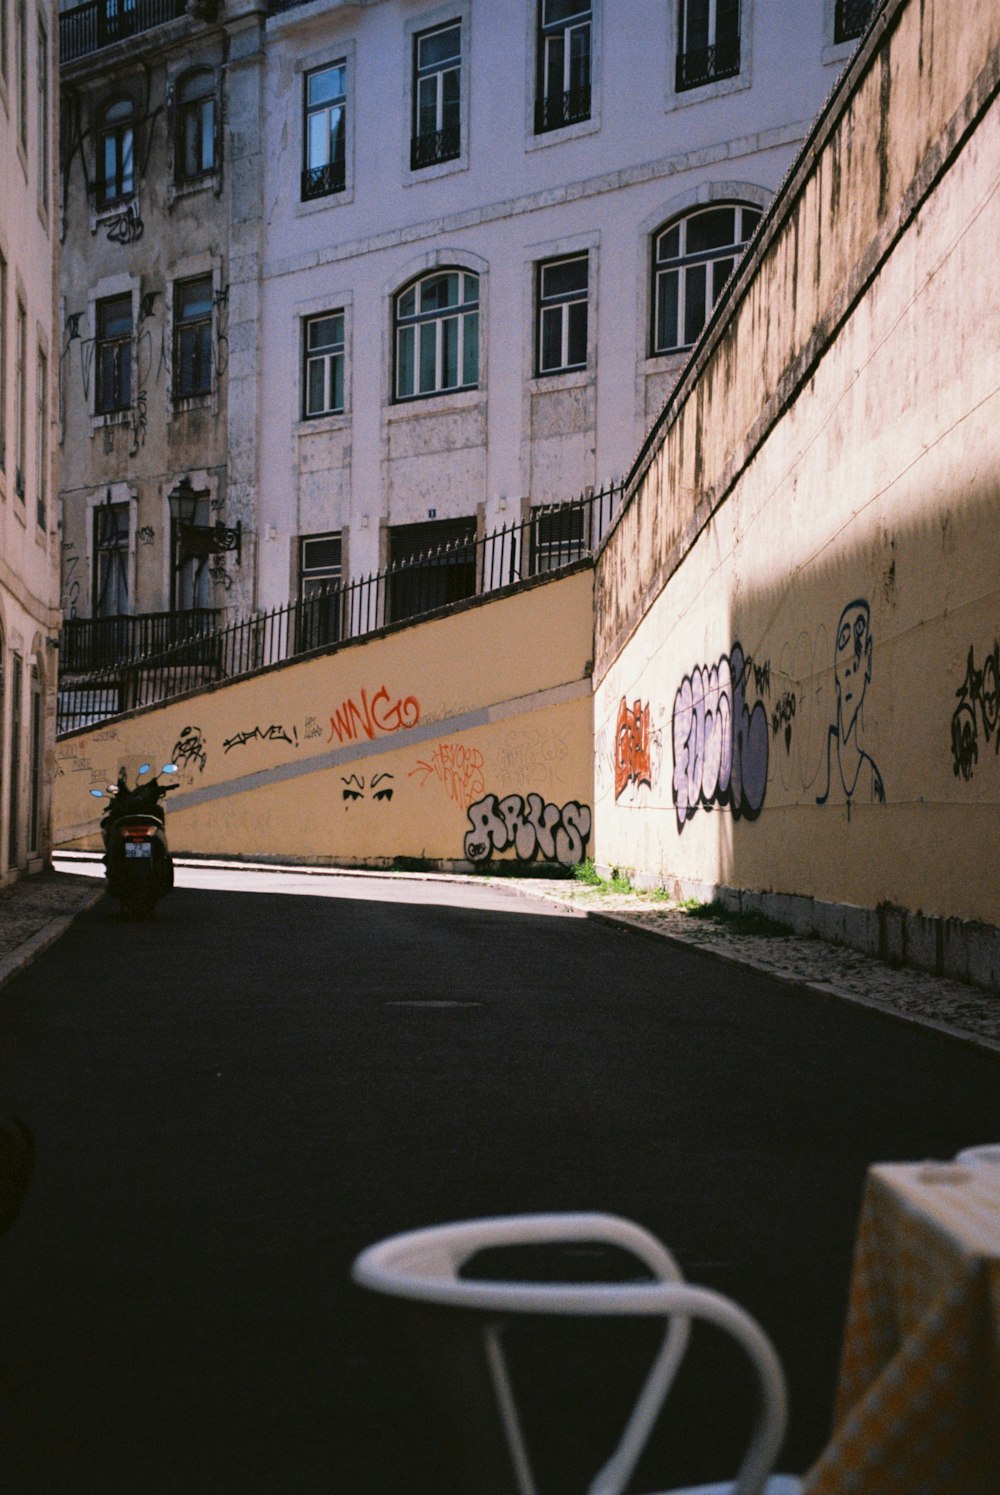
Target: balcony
(851, 19)
(101, 23)
(323, 181)
(435, 147)
(89, 644)
(559, 109)
(708, 65)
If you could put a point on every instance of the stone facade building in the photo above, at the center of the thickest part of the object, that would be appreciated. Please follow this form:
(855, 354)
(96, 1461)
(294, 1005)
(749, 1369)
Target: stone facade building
(29, 351)
(336, 288)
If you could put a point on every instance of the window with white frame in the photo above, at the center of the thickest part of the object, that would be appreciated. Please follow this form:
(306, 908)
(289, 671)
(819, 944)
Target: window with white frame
(437, 334)
(437, 94)
(116, 137)
(324, 168)
(319, 590)
(708, 42)
(323, 375)
(692, 260)
(195, 113)
(42, 439)
(564, 63)
(20, 398)
(562, 315)
(43, 116)
(113, 355)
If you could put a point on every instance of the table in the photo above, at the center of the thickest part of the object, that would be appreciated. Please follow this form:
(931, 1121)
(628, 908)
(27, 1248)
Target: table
(917, 1407)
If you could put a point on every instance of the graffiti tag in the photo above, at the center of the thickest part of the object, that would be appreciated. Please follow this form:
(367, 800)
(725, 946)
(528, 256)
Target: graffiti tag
(559, 834)
(633, 763)
(189, 749)
(720, 745)
(978, 693)
(273, 733)
(380, 714)
(378, 787)
(459, 769)
(857, 771)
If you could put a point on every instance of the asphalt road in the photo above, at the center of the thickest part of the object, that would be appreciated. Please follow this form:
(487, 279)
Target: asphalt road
(231, 1101)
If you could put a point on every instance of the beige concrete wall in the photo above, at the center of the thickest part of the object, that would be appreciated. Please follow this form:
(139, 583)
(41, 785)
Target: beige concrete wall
(798, 614)
(456, 740)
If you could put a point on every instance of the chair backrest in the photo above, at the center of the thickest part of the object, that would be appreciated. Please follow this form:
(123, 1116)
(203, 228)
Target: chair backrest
(423, 1266)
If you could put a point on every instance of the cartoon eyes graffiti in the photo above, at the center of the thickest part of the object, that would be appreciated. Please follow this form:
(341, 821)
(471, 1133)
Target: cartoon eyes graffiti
(378, 788)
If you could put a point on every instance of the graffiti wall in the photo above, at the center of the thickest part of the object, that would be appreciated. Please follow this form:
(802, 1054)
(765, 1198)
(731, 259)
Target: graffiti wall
(797, 668)
(457, 741)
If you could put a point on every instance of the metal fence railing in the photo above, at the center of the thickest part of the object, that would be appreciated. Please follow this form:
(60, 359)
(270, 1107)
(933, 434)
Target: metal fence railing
(90, 644)
(413, 586)
(101, 23)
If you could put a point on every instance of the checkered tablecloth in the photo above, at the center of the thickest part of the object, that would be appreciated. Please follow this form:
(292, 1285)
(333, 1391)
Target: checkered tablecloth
(918, 1397)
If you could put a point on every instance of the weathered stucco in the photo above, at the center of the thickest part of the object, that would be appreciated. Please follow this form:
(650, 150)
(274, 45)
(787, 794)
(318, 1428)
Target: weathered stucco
(829, 463)
(425, 742)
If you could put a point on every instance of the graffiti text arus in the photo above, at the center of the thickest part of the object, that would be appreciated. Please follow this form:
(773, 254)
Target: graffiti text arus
(720, 747)
(379, 714)
(560, 835)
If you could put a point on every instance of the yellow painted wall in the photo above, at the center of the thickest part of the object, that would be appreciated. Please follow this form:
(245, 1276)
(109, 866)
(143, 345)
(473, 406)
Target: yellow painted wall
(465, 738)
(833, 467)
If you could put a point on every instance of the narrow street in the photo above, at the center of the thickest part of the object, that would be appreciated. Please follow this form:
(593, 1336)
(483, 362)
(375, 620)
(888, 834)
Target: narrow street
(230, 1101)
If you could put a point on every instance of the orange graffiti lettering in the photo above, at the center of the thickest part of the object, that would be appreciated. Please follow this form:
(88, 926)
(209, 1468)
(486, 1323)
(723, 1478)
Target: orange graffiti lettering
(380, 714)
(458, 768)
(632, 754)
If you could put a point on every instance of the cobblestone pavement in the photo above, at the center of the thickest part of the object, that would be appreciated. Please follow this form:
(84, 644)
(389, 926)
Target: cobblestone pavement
(35, 911)
(952, 1006)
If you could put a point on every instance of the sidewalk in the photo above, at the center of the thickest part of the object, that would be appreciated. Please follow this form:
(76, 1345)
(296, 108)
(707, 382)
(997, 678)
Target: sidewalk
(35, 911)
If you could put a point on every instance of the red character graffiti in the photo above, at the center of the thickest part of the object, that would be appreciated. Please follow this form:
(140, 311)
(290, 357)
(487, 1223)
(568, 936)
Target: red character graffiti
(632, 752)
(380, 714)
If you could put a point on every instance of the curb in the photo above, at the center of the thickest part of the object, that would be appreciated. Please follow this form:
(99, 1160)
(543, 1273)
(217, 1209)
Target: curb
(12, 965)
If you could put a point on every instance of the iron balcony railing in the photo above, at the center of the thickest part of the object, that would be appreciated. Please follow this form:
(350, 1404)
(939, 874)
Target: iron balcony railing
(101, 23)
(322, 181)
(708, 64)
(559, 109)
(851, 18)
(435, 147)
(88, 644)
(555, 536)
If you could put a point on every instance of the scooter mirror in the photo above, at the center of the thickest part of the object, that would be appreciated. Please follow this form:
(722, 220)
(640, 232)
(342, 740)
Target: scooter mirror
(169, 768)
(97, 793)
(143, 768)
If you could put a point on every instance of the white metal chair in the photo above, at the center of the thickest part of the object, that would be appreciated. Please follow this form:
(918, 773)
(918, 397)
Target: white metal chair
(423, 1266)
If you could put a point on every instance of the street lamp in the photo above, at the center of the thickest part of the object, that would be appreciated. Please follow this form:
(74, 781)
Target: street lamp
(198, 541)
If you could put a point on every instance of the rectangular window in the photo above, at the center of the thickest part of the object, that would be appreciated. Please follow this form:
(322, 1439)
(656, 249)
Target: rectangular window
(43, 116)
(193, 337)
(21, 54)
(564, 48)
(113, 355)
(708, 45)
(851, 19)
(42, 440)
(111, 526)
(324, 169)
(196, 140)
(20, 399)
(323, 378)
(437, 84)
(562, 315)
(3, 358)
(319, 591)
(191, 575)
(430, 565)
(560, 534)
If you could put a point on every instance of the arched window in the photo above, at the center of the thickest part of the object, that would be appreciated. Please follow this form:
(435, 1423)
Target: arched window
(437, 334)
(693, 258)
(116, 179)
(195, 123)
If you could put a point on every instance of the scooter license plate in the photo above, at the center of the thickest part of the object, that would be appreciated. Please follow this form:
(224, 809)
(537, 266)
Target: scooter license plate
(138, 848)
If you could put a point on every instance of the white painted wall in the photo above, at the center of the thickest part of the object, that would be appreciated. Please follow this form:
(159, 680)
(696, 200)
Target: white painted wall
(511, 199)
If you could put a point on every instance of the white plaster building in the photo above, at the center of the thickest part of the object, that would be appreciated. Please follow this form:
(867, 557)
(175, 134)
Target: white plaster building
(29, 554)
(491, 232)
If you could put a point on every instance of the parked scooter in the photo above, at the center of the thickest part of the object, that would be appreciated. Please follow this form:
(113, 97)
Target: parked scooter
(138, 864)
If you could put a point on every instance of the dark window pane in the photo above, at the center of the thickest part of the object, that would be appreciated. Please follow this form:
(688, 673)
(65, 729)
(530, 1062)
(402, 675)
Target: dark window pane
(711, 230)
(721, 271)
(666, 314)
(694, 302)
(565, 277)
(563, 10)
(577, 351)
(551, 350)
(438, 47)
